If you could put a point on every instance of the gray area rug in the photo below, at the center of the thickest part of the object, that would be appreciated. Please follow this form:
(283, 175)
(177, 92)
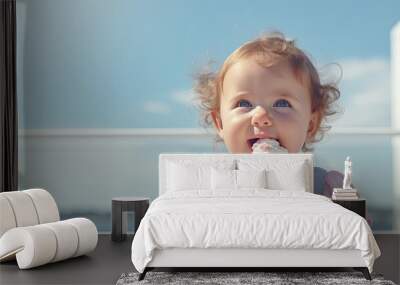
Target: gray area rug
(226, 278)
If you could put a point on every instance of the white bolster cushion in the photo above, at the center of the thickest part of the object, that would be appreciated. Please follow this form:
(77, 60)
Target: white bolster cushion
(45, 205)
(40, 244)
(66, 238)
(87, 234)
(7, 219)
(26, 208)
(33, 246)
(23, 208)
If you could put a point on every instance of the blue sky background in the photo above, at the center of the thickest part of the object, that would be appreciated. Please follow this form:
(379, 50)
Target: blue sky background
(128, 64)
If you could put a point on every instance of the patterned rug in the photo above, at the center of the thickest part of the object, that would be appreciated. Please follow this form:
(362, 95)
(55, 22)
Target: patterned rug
(225, 278)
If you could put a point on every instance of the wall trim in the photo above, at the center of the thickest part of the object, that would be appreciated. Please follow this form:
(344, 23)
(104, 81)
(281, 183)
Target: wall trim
(171, 132)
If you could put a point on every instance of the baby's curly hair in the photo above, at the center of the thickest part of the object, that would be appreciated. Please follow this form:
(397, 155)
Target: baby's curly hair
(269, 50)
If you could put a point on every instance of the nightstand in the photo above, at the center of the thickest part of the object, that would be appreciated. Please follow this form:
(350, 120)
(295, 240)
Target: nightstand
(357, 206)
(120, 207)
(388, 263)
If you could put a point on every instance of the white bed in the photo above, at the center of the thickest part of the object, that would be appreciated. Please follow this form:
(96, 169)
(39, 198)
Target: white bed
(201, 220)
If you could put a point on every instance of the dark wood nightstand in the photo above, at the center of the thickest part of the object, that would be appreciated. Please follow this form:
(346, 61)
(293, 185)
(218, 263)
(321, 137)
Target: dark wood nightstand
(388, 263)
(357, 206)
(120, 207)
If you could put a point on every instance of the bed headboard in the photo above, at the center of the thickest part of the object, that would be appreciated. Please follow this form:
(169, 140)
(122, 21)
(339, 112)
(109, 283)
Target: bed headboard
(210, 158)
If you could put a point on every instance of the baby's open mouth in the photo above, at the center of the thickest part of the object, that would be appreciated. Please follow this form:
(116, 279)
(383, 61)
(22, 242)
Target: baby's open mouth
(266, 145)
(251, 142)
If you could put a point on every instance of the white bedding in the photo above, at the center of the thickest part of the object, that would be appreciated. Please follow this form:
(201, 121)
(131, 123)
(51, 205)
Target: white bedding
(251, 218)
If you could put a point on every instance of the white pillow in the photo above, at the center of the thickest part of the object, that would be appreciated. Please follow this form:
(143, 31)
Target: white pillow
(292, 178)
(193, 175)
(223, 179)
(251, 178)
(227, 179)
(187, 177)
(282, 174)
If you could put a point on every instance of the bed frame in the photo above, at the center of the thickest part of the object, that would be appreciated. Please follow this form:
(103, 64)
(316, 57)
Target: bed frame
(249, 258)
(246, 259)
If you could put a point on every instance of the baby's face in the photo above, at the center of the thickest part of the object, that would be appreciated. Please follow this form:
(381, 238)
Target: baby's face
(259, 102)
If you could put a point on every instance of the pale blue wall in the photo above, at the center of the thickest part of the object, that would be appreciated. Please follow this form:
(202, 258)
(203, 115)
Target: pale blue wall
(93, 64)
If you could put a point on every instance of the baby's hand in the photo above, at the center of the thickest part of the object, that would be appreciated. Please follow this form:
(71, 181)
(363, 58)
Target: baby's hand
(268, 146)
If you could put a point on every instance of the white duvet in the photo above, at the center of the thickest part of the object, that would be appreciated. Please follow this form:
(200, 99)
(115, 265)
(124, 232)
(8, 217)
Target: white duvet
(252, 218)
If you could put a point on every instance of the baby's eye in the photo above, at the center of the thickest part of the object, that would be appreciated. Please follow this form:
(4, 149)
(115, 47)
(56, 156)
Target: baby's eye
(282, 103)
(244, 103)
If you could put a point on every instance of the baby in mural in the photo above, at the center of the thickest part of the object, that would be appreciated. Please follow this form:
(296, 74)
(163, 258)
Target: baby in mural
(267, 96)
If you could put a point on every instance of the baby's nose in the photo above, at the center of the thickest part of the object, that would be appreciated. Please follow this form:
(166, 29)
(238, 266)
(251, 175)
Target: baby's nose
(261, 118)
